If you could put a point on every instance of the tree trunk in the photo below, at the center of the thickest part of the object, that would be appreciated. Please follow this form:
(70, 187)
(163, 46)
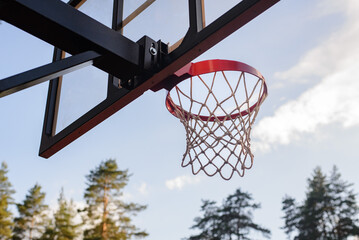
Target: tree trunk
(32, 226)
(104, 215)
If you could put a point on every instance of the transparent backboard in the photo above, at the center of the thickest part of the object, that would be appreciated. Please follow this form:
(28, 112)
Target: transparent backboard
(161, 19)
(84, 94)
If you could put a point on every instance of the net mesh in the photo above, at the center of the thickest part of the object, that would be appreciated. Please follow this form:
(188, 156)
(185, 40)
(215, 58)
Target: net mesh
(217, 111)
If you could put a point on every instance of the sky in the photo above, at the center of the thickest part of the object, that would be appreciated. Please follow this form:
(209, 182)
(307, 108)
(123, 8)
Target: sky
(309, 54)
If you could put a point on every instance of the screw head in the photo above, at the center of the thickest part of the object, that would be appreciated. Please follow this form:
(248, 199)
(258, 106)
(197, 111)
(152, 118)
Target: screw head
(153, 51)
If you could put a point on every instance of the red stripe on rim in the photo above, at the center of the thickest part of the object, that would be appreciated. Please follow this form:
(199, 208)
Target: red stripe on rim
(210, 66)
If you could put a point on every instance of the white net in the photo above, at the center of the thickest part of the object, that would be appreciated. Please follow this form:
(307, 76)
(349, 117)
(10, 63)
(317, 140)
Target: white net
(218, 110)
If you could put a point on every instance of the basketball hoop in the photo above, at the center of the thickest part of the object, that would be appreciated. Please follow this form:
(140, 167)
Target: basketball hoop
(217, 106)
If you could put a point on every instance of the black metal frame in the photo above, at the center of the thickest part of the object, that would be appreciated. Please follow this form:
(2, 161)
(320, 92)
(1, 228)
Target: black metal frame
(133, 67)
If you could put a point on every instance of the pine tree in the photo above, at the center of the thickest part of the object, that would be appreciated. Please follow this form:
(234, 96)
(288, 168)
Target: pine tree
(290, 210)
(6, 191)
(312, 223)
(63, 226)
(344, 207)
(237, 214)
(30, 223)
(329, 210)
(209, 224)
(107, 213)
(232, 220)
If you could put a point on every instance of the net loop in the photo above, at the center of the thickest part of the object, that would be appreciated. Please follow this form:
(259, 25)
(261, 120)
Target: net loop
(217, 107)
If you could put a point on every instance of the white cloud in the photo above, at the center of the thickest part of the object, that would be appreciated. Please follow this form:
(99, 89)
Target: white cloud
(143, 189)
(328, 7)
(126, 196)
(334, 99)
(337, 52)
(181, 181)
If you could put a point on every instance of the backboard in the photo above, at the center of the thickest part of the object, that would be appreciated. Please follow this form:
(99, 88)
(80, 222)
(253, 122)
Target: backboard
(122, 48)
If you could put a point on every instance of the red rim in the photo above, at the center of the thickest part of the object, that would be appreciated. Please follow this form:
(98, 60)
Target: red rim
(209, 66)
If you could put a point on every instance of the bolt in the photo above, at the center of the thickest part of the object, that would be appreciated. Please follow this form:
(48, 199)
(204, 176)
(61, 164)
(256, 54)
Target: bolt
(153, 50)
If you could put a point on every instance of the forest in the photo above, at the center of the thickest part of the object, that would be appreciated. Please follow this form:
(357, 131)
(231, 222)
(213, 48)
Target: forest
(328, 212)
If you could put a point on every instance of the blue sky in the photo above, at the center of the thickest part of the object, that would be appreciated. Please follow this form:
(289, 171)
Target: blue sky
(306, 50)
